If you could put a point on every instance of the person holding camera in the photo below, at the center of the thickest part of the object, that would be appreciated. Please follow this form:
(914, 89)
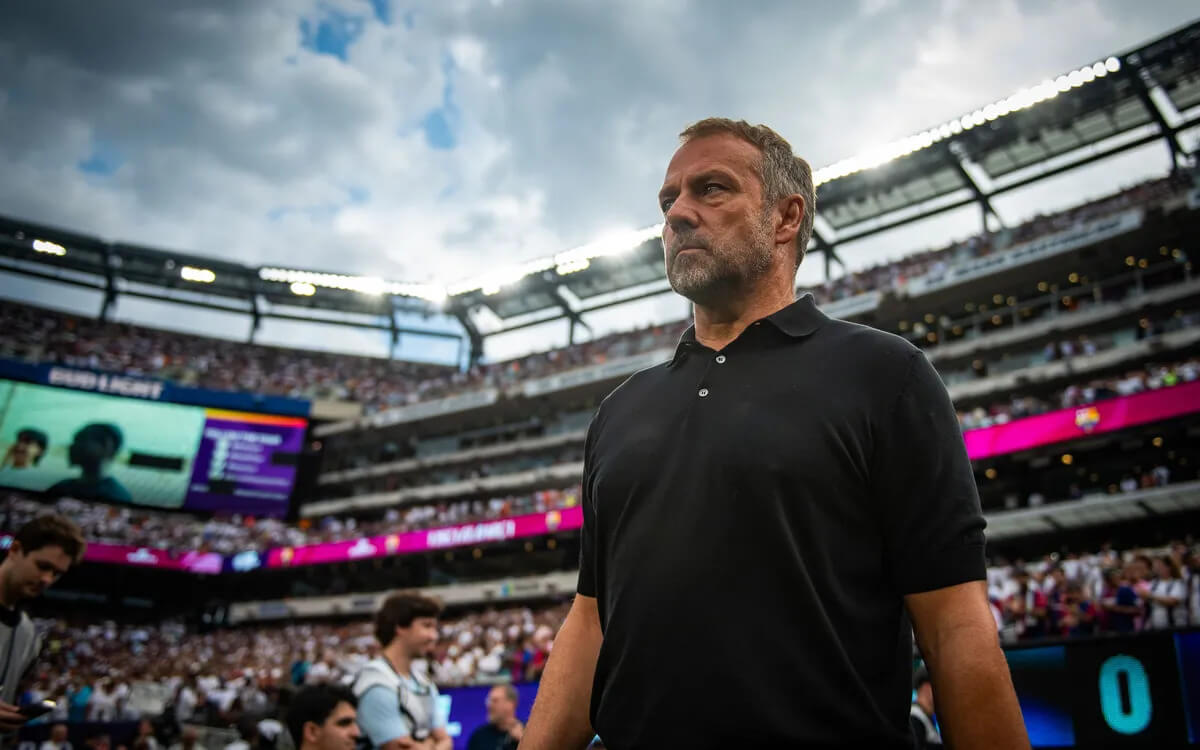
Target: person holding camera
(42, 551)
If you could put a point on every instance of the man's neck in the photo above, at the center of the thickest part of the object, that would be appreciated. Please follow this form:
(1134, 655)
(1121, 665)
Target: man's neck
(399, 660)
(8, 598)
(719, 325)
(505, 725)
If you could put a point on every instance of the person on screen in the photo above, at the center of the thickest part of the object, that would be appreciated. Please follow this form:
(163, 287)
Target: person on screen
(27, 451)
(92, 450)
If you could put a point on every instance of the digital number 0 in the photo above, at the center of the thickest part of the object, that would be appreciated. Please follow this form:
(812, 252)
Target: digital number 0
(1125, 694)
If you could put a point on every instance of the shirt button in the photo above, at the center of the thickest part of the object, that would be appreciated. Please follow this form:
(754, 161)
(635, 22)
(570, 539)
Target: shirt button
(720, 359)
(703, 392)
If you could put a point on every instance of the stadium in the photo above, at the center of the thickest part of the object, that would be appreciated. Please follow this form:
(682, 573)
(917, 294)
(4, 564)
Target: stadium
(261, 502)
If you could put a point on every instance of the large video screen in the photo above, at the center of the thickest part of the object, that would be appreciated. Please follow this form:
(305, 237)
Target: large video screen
(124, 450)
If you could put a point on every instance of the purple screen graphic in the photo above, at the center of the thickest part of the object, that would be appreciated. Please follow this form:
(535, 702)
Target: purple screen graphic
(245, 463)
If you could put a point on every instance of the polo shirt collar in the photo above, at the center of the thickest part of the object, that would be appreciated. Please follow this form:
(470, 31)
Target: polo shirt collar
(797, 320)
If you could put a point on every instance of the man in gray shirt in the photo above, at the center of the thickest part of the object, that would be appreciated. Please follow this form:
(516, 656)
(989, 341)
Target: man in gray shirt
(41, 552)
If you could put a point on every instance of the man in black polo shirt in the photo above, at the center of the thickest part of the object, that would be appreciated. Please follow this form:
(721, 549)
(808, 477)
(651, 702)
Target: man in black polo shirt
(769, 515)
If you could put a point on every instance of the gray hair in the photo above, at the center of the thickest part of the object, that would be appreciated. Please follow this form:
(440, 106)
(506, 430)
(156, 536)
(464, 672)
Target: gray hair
(781, 171)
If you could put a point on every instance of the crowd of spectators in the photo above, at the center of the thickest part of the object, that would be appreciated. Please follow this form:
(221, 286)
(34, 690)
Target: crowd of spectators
(39, 335)
(892, 275)
(231, 534)
(1148, 378)
(1102, 592)
(103, 671)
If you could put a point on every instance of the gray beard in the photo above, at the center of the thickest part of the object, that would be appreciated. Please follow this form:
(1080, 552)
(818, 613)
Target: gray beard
(711, 275)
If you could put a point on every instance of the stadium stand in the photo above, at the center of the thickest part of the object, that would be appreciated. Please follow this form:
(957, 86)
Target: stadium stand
(40, 335)
(1073, 314)
(105, 670)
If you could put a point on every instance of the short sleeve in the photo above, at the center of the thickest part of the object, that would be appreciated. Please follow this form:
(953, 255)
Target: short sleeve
(379, 716)
(929, 506)
(588, 585)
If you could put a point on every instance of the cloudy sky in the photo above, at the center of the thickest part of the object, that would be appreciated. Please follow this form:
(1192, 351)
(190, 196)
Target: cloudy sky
(421, 141)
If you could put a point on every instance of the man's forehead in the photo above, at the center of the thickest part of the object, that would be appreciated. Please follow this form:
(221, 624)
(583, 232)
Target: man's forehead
(720, 150)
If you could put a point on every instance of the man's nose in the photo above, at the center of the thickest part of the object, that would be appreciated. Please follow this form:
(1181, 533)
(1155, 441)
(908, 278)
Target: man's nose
(681, 215)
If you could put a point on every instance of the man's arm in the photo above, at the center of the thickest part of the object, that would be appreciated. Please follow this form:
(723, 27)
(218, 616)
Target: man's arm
(973, 693)
(440, 739)
(559, 720)
(380, 720)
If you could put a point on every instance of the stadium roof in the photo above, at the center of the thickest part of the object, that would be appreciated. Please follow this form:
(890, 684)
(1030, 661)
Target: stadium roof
(1100, 109)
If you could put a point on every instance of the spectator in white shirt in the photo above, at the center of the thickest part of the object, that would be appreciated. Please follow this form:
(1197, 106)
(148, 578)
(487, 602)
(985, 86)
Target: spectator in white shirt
(103, 703)
(1167, 596)
(58, 739)
(185, 701)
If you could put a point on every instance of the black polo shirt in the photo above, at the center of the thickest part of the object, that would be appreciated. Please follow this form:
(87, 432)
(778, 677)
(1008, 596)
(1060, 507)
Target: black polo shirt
(752, 520)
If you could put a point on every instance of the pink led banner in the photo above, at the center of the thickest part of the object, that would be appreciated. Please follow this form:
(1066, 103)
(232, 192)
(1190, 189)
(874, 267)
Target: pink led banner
(146, 557)
(534, 524)
(1067, 424)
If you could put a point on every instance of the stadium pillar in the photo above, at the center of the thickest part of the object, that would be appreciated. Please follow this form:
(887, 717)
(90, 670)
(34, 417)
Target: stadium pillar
(255, 316)
(829, 250)
(110, 285)
(1143, 82)
(473, 335)
(395, 334)
(956, 155)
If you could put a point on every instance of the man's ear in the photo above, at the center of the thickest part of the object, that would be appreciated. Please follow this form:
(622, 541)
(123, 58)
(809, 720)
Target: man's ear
(791, 212)
(312, 732)
(15, 548)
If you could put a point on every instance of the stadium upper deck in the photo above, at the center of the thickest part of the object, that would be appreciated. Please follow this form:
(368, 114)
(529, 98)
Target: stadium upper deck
(1148, 94)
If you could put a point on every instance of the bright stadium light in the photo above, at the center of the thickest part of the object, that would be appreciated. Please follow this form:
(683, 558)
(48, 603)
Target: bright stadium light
(1022, 99)
(48, 247)
(199, 275)
(371, 285)
(305, 283)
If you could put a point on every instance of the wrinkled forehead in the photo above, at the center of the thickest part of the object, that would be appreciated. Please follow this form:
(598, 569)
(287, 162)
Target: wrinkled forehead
(708, 152)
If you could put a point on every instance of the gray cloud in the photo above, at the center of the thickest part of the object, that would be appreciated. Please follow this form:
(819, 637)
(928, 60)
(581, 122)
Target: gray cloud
(231, 139)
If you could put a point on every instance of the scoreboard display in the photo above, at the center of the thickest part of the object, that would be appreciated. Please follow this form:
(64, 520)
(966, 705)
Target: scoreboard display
(1141, 691)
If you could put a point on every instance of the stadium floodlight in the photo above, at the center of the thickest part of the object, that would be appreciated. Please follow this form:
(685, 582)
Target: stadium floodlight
(1022, 99)
(370, 285)
(198, 275)
(568, 262)
(48, 247)
(303, 289)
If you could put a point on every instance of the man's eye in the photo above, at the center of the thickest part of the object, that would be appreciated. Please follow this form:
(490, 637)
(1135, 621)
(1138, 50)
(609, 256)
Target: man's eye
(710, 187)
(666, 205)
